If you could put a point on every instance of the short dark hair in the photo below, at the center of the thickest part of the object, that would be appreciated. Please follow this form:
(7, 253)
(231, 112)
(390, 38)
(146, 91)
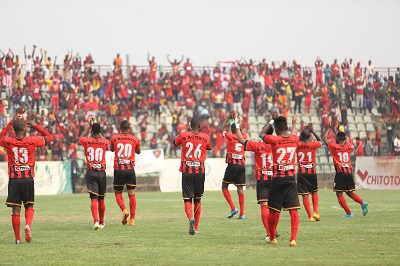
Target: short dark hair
(96, 128)
(18, 125)
(341, 135)
(125, 125)
(195, 122)
(305, 134)
(280, 123)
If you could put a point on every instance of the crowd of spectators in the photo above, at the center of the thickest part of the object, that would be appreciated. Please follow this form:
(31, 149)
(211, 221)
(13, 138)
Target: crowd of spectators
(61, 96)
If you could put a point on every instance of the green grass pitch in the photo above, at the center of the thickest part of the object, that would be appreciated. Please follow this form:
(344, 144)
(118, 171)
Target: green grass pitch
(63, 233)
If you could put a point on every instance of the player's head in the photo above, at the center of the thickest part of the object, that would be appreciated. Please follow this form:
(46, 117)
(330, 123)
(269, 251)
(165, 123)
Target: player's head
(195, 124)
(96, 129)
(125, 126)
(280, 124)
(19, 127)
(233, 128)
(340, 137)
(305, 135)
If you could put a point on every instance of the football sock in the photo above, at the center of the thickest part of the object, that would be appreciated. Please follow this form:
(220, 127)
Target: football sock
(277, 217)
(120, 200)
(228, 198)
(132, 205)
(315, 202)
(241, 203)
(343, 203)
(188, 209)
(16, 223)
(197, 213)
(29, 216)
(306, 204)
(102, 210)
(271, 224)
(356, 198)
(264, 217)
(294, 223)
(95, 210)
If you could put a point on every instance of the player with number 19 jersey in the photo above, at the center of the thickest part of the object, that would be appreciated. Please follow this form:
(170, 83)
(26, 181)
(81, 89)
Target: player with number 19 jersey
(283, 154)
(194, 151)
(95, 151)
(262, 158)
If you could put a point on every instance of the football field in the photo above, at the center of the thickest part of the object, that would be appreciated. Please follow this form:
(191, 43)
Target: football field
(63, 233)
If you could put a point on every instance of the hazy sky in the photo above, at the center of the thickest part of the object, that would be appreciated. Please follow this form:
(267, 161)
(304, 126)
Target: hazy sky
(208, 30)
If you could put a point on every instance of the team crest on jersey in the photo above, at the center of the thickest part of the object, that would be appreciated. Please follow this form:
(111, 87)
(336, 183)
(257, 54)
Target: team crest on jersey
(157, 153)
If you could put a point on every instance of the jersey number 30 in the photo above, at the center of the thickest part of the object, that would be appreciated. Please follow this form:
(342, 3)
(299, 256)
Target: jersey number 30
(94, 154)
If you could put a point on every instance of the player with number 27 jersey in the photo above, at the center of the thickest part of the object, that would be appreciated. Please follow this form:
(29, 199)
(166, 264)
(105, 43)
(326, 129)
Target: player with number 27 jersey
(194, 151)
(283, 154)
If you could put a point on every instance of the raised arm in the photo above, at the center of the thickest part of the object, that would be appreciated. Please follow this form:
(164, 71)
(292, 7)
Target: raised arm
(225, 122)
(294, 121)
(326, 134)
(311, 129)
(180, 61)
(46, 135)
(169, 60)
(266, 128)
(25, 51)
(6, 129)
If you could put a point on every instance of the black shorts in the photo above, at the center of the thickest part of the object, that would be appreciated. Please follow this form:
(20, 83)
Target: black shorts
(124, 177)
(307, 183)
(96, 182)
(283, 194)
(235, 174)
(263, 190)
(193, 185)
(344, 182)
(20, 190)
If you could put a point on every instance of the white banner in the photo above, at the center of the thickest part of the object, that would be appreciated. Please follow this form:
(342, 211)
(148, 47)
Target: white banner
(171, 178)
(146, 162)
(51, 178)
(378, 172)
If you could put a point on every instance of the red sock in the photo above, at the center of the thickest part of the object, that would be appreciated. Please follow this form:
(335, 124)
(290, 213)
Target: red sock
(343, 203)
(120, 200)
(95, 210)
(102, 210)
(132, 205)
(356, 198)
(306, 204)
(294, 223)
(29, 216)
(241, 203)
(188, 209)
(277, 217)
(16, 223)
(228, 198)
(315, 202)
(271, 224)
(264, 217)
(197, 213)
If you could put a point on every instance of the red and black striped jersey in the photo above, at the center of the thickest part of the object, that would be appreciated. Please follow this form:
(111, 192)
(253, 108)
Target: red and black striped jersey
(124, 147)
(21, 155)
(95, 152)
(283, 154)
(306, 156)
(235, 153)
(262, 158)
(341, 156)
(194, 151)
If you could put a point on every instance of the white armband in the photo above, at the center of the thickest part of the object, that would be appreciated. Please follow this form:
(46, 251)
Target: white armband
(271, 122)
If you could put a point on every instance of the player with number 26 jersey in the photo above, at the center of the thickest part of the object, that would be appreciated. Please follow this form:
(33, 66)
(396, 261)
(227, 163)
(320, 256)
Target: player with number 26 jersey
(194, 151)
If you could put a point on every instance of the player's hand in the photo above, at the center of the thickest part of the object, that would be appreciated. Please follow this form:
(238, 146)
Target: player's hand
(331, 125)
(31, 123)
(232, 114)
(294, 119)
(309, 127)
(34, 46)
(275, 115)
(92, 120)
